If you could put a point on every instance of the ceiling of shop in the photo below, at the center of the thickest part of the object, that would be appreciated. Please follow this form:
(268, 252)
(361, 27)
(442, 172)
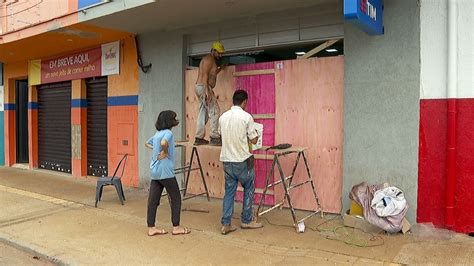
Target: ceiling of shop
(174, 14)
(57, 42)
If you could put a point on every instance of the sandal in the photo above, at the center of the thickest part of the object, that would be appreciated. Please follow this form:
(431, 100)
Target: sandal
(184, 231)
(158, 232)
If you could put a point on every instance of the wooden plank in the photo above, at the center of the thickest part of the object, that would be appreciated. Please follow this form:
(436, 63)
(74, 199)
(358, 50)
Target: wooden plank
(314, 86)
(318, 49)
(263, 116)
(257, 190)
(263, 156)
(254, 72)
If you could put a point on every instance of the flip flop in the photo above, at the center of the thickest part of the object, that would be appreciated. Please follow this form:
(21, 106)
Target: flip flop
(184, 232)
(158, 232)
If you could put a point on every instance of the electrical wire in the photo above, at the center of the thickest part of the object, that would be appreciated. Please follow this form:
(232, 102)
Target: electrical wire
(145, 68)
(350, 240)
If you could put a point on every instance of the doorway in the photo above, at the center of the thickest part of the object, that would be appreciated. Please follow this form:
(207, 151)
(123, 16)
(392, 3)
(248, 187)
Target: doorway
(21, 119)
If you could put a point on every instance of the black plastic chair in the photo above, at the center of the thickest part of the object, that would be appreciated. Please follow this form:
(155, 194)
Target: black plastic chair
(114, 180)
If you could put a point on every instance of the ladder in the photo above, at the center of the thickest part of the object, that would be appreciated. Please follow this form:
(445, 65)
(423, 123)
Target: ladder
(187, 169)
(286, 182)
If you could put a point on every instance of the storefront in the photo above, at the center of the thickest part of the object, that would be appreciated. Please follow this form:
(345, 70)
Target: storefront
(75, 112)
(394, 81)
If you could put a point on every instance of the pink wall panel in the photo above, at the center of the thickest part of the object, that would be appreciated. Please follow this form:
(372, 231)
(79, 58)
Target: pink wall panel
(261, 90)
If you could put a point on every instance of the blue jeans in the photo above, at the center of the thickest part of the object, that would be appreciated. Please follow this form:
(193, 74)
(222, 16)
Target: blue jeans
(234, 173)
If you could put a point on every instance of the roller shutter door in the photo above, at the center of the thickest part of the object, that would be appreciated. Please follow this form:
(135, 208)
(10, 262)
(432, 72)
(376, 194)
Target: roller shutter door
(97, 126)
(54, 126)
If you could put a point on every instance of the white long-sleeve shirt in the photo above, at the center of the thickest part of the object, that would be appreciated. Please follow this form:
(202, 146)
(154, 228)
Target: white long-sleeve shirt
(236, 127)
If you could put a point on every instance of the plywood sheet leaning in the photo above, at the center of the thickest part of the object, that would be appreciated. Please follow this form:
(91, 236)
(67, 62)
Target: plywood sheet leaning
(259, 82)
(309, 113)
(209, 155)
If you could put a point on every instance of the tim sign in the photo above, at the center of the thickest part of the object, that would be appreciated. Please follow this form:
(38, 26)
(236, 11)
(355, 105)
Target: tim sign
(367, 15)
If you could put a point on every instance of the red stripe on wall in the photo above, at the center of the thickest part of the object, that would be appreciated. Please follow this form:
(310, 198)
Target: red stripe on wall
(432, 164)
(464, 214)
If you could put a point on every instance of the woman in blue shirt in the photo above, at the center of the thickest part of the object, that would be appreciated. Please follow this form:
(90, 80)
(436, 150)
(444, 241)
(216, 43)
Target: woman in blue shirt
(162, 174)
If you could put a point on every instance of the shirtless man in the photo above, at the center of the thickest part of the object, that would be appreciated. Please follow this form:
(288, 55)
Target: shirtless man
(208, 106)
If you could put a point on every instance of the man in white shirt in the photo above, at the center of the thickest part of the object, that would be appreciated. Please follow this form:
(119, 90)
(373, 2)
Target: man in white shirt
(237, 129)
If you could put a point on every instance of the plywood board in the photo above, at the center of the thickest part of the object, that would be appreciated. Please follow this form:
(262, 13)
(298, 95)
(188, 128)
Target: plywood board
(308, 107)
(254, 72)
(318, 49)
(309, 113)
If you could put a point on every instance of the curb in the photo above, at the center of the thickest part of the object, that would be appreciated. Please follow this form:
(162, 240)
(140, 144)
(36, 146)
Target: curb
(32, 251)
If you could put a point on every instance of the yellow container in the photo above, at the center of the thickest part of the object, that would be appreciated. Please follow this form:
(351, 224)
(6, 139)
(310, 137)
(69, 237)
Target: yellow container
(356, 209)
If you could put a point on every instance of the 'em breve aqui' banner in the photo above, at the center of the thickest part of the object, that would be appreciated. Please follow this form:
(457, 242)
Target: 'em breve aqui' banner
(100, 61)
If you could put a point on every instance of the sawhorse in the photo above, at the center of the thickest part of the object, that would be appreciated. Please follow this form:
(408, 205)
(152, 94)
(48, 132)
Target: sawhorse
(287, 187)
(187, 168)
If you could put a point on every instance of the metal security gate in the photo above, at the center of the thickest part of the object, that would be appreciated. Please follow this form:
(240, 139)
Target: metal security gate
(54, 126)
(97, 126)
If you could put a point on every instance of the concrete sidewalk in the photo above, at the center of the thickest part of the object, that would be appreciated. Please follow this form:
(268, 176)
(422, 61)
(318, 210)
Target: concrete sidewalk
(54, 215)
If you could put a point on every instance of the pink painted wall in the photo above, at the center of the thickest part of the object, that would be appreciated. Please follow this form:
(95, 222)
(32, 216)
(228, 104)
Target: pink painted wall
(261, 90)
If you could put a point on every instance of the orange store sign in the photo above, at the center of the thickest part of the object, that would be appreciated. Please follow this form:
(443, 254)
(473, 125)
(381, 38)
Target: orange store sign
(100, 61)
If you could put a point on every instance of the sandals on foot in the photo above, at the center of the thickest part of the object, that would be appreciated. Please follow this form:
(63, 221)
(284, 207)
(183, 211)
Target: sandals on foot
(184, 231)
(158, 232)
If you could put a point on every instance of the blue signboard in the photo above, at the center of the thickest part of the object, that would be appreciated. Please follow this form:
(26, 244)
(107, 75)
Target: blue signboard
(367, 15)
(86, 3)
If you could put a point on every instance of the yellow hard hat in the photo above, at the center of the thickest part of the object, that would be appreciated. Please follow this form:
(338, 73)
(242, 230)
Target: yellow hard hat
(218, 47)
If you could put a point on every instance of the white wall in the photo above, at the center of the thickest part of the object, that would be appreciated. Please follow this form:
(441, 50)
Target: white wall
(434, 48)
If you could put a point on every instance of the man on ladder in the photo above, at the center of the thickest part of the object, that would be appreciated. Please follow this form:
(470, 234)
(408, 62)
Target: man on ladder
(208, 106)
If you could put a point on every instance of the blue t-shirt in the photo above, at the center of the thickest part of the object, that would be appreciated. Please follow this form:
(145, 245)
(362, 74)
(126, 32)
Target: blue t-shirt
(164, 168)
